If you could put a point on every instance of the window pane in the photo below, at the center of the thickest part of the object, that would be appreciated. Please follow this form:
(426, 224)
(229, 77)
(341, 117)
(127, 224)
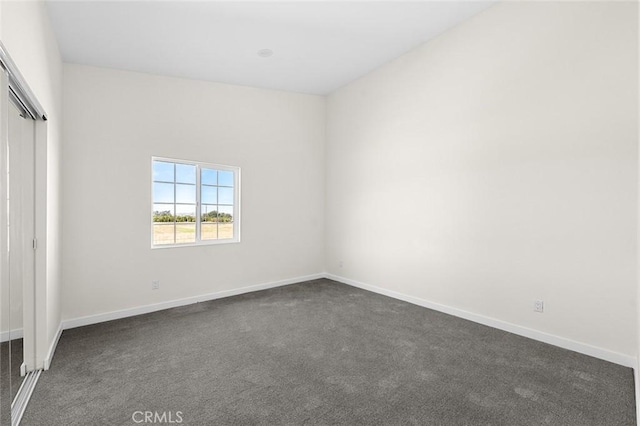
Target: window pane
(163, 233)
(163, 229)
(185, 193)
(186, 213)
(225, 222)
(225, 231)
(225, 214)
(185, 232)
(225, 195)
(225, 178)
(163, 213)
(209, 194)
(163, 171)
(163, 192)
(209, 177)
(209, 231)
(209, 213)
(209, 225)
(185, 173)
(185, 223)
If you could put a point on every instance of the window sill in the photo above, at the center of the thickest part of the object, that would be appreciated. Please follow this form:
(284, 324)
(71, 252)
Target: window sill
(200, 244)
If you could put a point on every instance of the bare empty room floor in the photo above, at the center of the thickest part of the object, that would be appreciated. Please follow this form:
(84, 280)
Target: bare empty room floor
(321, 352)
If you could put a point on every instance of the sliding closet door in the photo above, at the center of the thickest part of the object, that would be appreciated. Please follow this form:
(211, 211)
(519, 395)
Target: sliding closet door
(15, 247)
(17, 265)
(22, 231)
(5, 296)
(22, 326)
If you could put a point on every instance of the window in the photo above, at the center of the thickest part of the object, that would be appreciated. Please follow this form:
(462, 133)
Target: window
(194, 203)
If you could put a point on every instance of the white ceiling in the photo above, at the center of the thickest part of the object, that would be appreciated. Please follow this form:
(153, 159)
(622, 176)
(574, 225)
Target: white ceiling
(318, 46)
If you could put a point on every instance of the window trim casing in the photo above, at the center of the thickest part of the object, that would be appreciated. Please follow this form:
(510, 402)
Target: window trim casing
(236, 203)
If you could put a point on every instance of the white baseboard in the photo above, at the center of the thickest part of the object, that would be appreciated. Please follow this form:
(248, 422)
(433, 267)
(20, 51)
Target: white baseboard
(5, 336)
(108, 316)
(52, 348)
(583, 348)
(607, 355)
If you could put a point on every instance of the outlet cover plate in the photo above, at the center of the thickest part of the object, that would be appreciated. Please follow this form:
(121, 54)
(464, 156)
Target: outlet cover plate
(538, 306)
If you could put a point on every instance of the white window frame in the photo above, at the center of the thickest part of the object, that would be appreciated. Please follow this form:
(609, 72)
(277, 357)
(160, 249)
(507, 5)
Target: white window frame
(236, 203)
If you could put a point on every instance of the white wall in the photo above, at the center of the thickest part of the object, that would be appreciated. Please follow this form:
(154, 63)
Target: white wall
(115, 121)
(26, 32)
(497, 165)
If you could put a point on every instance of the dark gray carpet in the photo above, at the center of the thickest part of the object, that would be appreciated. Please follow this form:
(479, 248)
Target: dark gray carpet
(322, 353)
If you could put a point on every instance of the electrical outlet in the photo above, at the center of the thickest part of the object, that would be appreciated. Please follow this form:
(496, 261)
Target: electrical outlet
(538, 306)
(155, 285)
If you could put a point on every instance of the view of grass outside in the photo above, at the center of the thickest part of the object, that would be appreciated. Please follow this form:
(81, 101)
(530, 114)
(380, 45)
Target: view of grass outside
(186, 232)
